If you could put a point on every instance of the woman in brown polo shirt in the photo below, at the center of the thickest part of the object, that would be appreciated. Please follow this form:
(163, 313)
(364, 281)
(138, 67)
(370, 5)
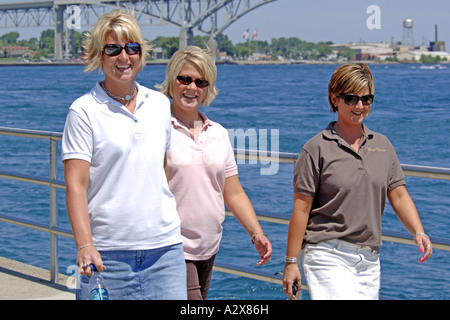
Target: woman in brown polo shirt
(341, 181)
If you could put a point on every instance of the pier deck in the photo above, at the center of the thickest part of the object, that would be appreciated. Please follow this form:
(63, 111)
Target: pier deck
(20, 281)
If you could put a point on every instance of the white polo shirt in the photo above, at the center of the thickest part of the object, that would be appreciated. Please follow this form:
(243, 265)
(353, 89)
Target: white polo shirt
(130, 205)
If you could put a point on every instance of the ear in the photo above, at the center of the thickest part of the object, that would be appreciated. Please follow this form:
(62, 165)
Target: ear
(334, 99)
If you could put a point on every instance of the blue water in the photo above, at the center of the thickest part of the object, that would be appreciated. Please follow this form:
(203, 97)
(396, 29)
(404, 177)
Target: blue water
(412, 108)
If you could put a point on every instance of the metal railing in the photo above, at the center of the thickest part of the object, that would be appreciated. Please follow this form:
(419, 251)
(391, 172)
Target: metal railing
(54, 183)
(51, 182)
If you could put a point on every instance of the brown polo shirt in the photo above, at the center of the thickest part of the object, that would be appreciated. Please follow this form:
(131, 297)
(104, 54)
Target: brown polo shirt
(349, 187)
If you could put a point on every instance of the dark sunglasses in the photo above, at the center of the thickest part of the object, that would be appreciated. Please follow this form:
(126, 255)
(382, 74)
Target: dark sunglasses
(115, 49)
(188, 80)
(351, 99)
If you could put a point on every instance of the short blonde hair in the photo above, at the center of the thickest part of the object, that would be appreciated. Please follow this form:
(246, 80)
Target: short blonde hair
(350, 78)
(202, 59)
(125, 26)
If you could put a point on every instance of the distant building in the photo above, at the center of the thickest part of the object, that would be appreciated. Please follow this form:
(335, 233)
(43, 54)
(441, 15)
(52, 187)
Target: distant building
(260, 56)
(404, 51)
(18, 52)
(417, 54)
(368, 51)
(372, 52)
(157, 53)
(437, 45)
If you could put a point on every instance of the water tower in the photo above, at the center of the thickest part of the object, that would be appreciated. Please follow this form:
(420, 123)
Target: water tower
(408, 33)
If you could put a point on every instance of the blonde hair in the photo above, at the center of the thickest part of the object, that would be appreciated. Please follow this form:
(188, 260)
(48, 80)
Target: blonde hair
(125, 26)
(202, 59)
(350, 78)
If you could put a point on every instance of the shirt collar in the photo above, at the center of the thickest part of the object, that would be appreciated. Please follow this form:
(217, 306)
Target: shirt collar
(179, 124)
(330, 133)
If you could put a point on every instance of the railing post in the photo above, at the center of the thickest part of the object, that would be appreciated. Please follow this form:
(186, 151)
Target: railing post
(53, 212)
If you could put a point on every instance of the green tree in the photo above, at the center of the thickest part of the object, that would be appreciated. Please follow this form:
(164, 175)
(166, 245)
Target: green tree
(201, 41)
(430, 59)
(169, 45)
(10, 38)
(242, 51)
(225, 45)
(46, 43)
(347, 53)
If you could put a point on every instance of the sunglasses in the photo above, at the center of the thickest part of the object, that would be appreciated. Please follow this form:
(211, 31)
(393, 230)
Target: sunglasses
(351, 99)
(188, 80)
(115, 49)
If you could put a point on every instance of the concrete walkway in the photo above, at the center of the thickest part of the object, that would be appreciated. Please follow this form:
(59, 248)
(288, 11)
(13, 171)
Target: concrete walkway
(20, 281)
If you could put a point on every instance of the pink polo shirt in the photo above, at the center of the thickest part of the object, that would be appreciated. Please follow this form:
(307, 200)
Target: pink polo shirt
(197, 170)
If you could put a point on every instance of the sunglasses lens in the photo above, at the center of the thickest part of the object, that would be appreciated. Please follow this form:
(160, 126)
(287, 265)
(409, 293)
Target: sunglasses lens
(351, 99)
(185, 80)
(115, 49)
(133, 48)
(188, 80)
(201, 83)
(368, 99)
(112, 49)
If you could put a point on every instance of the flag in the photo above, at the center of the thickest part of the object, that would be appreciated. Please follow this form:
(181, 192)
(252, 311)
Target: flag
(255, 34)
(245, 35)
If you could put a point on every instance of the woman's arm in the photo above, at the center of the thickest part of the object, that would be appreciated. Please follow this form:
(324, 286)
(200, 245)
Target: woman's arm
(76, 173)
(406, 211)
(237, 201)
(297, 228)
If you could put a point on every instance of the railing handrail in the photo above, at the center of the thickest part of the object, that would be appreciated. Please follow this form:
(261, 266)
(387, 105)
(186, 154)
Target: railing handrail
(282, 157)
(285, 157)
(39, 134)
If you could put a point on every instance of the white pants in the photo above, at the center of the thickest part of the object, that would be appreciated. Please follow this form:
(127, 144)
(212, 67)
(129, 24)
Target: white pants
(341, 270)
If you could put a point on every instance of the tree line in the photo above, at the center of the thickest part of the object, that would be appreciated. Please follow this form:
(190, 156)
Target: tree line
(287, 48)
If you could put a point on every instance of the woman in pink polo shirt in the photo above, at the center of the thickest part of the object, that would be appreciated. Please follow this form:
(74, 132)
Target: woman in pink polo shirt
(202, 170)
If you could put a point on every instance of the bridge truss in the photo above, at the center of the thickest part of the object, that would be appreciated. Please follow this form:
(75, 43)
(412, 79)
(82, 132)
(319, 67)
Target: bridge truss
(209, 17)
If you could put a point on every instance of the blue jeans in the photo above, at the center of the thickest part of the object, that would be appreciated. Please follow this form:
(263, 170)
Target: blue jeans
(156, 274)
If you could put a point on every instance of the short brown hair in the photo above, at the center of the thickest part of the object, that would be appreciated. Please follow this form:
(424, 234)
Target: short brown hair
(350, 78)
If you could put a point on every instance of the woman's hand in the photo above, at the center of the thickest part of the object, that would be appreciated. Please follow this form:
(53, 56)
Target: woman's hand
(263, 247)
(291, 274)
(85, 257)
(424, 244)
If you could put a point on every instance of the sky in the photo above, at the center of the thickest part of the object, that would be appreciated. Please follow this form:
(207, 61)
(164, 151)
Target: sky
(338, 21)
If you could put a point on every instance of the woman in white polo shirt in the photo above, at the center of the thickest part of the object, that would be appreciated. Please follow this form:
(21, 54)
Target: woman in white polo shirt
(341, 181)
(122, 213)
(202, 170)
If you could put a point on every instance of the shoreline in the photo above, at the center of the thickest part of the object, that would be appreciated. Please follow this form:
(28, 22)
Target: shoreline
(225, 62)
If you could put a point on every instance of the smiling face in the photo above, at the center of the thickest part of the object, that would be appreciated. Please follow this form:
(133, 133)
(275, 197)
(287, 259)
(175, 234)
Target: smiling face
(351, 115)
(121, 68)
(188, 98)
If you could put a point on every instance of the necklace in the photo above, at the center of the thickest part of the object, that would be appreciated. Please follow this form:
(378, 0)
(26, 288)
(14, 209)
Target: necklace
(126, 98)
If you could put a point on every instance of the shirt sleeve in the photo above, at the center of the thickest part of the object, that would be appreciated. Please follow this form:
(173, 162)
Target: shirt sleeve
(77, 140)
(397, 177)
(231, 168)
(306, 175)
